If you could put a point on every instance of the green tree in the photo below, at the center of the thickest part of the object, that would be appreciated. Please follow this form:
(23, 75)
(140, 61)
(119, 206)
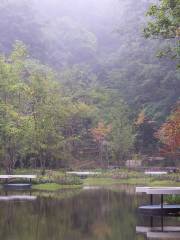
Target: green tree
(31, 112)
(117, 114)
(166, 24)
(122, 136)
(12, 89)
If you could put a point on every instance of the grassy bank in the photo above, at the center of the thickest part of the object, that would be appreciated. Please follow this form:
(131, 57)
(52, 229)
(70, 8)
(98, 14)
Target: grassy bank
(51, 180)
(124, 176)
(130, 181)
(54, 187)
(57, 180)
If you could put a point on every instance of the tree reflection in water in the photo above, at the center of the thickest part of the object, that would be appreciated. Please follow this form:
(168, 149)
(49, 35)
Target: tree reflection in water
(91, 214)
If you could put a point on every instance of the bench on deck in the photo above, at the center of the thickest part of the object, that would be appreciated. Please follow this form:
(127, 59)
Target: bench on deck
(17, 185)
(159, 209)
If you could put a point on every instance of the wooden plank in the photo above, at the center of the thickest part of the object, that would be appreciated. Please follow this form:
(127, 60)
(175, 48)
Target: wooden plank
(163, 235)
(145, 189)
(141, 189)
(17, 176)
(155, 173)
(142, 229)
(158, 190)
(83, 173)
(164, 191)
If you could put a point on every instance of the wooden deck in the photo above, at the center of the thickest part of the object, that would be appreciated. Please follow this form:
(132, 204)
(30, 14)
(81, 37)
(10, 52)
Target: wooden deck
(20, 186)
(158, 190)
(161, 209)
(18, 176)
(163, 235)
(155, 173)
(142, 229)
(169, 232)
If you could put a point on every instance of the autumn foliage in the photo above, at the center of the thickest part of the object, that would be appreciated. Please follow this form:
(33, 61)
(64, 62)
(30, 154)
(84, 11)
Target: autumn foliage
(100, 132)
(141, 118)
(169, 133)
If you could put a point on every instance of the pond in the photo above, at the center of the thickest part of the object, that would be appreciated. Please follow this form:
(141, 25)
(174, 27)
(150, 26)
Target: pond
(89, 214)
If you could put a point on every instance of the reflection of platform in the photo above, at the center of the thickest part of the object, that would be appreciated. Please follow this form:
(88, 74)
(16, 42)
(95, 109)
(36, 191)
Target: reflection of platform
(17, 197)
(20, 186)
(160, 210)
(159, 232)
(164, 235)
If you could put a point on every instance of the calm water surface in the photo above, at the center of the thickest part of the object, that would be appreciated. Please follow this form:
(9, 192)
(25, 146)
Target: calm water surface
(75, 215)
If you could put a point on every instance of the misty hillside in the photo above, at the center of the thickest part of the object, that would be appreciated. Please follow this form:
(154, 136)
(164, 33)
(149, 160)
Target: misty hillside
(107, 35)
(71, 69)
(89, 109)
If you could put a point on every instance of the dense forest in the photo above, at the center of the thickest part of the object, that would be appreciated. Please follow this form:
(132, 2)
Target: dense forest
(81, 83)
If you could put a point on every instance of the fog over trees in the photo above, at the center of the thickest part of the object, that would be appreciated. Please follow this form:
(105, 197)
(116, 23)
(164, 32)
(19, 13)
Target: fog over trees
(94, 67)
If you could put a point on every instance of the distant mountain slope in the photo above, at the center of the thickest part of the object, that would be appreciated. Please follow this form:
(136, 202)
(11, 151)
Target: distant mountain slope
(104, 34)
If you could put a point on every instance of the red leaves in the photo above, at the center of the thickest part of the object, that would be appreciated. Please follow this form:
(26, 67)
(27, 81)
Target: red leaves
(169, 133)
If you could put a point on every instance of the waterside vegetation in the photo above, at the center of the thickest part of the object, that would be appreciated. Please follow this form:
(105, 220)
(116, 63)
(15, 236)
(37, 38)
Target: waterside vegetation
(60, 180)
(74, 96)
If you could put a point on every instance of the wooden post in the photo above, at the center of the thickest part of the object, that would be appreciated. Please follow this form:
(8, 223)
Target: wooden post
(151, 199)
(161, 201)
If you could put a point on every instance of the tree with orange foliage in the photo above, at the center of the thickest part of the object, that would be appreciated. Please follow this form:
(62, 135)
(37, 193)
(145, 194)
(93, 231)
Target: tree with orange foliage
(169, 134)
(99, 134)
(141, 118)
